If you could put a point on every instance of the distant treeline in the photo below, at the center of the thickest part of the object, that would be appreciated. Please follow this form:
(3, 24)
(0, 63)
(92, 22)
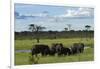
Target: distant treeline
(54, 34)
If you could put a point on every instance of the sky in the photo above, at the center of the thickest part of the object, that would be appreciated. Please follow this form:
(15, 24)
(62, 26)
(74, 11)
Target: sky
(54, 18)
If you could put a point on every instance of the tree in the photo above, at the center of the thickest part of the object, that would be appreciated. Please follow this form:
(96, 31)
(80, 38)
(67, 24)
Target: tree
(87, 27)
(66, 29)
(32, 27)
(36, 29)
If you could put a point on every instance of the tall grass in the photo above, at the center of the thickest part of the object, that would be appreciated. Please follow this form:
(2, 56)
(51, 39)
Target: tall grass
(27, 44)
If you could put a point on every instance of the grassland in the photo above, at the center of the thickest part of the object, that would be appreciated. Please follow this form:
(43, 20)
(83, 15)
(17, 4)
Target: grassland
(27, 44)
(24, 58)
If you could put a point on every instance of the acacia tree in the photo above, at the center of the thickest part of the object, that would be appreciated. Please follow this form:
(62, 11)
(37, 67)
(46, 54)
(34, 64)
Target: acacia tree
(87, 29)
(36, 29)
(66, 29)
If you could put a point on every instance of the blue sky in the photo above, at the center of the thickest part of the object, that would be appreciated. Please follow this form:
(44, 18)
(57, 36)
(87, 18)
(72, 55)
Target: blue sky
(52, 17)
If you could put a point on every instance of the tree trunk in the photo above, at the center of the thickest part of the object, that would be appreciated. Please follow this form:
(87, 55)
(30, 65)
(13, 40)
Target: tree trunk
(38, 40)
(37, 37)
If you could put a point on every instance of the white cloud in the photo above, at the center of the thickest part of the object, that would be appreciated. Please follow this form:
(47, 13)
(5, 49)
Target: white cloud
(80, 12)
(70, 13)
(84, 12)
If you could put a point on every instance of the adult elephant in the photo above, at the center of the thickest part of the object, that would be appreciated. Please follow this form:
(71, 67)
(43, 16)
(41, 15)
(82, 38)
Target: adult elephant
(59, 48)
(40, 48)
(53, 49)
(77, 48)
(65, 51)
(56, 48)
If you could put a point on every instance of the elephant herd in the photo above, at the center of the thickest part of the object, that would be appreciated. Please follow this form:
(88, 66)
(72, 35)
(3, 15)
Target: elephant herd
(57, 48)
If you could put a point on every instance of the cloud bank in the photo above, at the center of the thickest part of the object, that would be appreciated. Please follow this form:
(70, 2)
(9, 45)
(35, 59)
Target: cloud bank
(70, 13)
(80, 12)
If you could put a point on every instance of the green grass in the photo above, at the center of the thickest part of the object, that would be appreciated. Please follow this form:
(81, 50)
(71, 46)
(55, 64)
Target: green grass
(24, 58)
(27, 44)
